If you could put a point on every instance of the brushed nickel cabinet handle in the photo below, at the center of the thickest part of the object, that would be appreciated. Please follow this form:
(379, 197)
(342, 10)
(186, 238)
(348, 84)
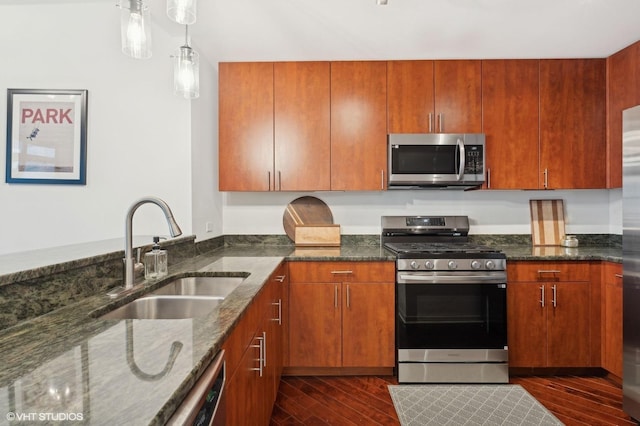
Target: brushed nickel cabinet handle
(345, 272)
(430, 123)
(335, 296)
(280, 278)
(549, 271)
(279, 180)
(542, 296)
(488, 178)
(279, 304)
(381, 179)
(545, 183)
(348, 297)
(260, 347)
(269, 180)
(618, 275)
(441, 122)
(555, 296)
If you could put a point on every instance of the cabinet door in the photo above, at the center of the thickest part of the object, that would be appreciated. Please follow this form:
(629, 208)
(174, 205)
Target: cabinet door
(358, 126)
(368, 336)
(510, 91)
(244, 404)
(315, 338)
(624, 92)
(302, 126)
(572, 123)
(410, 97)
(568, 321)
(458, 96)
(612, 327)
(245, 151)
(526, 325)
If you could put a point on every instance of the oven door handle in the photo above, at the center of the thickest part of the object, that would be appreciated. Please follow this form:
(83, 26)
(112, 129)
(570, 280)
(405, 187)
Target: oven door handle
(461, 279)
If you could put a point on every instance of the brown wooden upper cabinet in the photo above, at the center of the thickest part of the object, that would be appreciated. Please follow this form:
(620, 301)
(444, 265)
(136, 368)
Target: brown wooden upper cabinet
(434, 96)
(572, 123)
(623, 82)
(245, 151)
(274, 126)
(358, 125)
(510, 99)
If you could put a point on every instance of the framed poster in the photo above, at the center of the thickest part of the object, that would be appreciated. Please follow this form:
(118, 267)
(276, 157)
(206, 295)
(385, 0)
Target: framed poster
(46, 136)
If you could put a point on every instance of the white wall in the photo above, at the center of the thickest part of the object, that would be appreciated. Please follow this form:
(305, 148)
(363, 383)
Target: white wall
(139, 134)
(490, 212)
(142, 140)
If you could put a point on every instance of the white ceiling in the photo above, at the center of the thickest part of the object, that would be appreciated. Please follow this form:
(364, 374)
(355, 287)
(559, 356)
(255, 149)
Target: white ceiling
(256, 30)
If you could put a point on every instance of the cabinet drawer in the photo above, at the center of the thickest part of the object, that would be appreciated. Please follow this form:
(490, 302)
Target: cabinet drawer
(549, 271)
(326, 272)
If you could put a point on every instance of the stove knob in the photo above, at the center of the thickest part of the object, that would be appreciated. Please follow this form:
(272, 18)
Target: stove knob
(414, 264)
(475, 264)
(490, 265)
(453, 265)
(428, 264)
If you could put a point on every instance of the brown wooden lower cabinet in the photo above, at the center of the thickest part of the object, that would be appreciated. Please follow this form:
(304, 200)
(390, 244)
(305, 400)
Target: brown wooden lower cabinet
(254, 364)
(612, 318)
(549, 312)
(341, 314)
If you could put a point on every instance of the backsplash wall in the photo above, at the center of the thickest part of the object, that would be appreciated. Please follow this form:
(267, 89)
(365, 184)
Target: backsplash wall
(490, 212)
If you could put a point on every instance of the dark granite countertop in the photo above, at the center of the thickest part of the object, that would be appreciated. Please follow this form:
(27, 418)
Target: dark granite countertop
(119, 371)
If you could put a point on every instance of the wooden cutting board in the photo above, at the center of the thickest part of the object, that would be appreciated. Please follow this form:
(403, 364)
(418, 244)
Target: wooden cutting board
(547, 222)
(305, 211)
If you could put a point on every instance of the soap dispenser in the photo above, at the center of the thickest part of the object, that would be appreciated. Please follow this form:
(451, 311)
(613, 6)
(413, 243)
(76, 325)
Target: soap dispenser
(155, 261)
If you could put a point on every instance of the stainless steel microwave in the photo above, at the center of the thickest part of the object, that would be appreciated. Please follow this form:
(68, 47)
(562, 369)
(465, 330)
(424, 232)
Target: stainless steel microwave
(436, 160)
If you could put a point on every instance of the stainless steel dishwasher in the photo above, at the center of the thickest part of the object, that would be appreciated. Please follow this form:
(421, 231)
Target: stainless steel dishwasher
(205, 403)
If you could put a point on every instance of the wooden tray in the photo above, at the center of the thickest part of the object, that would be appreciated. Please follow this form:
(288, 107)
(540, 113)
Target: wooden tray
(305, 211)
(547, 222)
(317, 235)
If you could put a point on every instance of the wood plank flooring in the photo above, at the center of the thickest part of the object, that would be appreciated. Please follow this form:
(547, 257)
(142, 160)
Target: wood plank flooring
(365, 400)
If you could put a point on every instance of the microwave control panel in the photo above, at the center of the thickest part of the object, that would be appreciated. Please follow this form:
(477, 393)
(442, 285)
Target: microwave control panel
(474, 159)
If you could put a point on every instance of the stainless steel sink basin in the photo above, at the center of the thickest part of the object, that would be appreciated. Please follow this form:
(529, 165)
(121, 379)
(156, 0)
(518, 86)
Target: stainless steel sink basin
(200, 286)
(165, 307)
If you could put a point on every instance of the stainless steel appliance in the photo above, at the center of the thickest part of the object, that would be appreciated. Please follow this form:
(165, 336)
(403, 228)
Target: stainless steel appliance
(436, 160)
(631, 260)
(205, 403)
(451, 302)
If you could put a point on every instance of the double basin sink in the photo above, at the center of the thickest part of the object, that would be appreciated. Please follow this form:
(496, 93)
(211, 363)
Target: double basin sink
(186, 297)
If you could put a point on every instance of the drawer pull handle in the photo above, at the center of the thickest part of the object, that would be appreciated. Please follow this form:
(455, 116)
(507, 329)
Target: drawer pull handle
(618, 275)
(342, 272)
(542, 296)
(548, 271)
(555, 296)
(280, 278)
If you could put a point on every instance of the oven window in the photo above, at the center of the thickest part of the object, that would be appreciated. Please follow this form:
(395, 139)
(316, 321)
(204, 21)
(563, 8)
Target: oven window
(424, 159)
(451, 316)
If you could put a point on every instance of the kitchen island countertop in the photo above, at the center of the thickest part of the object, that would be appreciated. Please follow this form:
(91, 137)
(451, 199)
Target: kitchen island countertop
(70, 363)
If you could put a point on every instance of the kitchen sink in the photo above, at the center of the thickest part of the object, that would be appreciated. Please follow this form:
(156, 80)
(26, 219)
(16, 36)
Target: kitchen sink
(165, 307)
(218, 286)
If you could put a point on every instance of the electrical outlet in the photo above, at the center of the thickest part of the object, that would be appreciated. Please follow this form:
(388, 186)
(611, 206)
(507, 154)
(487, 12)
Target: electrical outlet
(208, 227)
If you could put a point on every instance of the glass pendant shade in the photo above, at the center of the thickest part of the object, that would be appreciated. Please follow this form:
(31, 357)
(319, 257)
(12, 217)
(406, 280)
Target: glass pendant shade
(135, 28)
(182, 11)
(186, 73)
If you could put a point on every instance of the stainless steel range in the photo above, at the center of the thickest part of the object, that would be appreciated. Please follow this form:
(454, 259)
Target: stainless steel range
(451, 302)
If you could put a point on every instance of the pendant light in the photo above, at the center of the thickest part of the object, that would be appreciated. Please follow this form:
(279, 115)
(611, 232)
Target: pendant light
(182, 11)
(186, 70)
(135, 28)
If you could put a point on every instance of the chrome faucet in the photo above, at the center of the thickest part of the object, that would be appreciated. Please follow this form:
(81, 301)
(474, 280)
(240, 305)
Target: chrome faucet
(129, 262)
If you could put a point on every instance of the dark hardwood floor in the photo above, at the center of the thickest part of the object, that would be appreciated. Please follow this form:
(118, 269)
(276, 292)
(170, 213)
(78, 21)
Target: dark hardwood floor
(360, 400)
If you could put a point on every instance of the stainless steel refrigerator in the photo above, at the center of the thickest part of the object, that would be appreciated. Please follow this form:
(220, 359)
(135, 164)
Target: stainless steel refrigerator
(631, 260)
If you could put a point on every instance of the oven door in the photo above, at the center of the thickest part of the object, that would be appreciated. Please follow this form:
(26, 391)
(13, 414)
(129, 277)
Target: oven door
(448, 310)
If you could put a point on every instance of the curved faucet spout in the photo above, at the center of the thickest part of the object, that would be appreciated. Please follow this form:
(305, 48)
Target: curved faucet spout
(129, 262)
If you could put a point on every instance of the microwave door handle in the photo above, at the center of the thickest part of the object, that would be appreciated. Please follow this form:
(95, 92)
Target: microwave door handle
(462, 158)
